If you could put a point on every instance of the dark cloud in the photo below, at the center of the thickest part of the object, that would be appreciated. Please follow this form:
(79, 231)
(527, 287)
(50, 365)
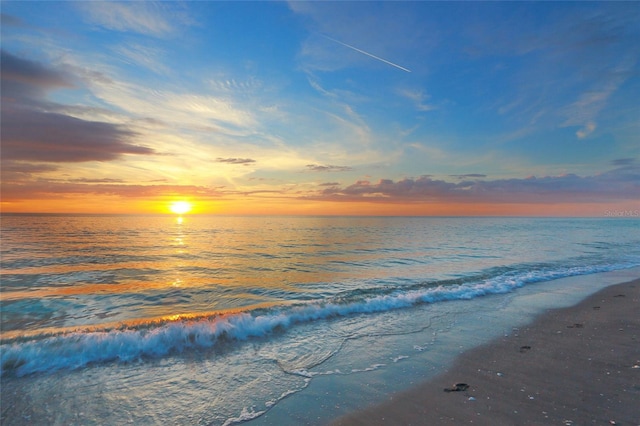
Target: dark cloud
(244, 161)
(621, 184)
(17, 171)
(328, 168)
(103, 180)
(330, 184)
(32, 130)
(623, 161)
(469, 175)
(19, 167)
(38, 136)
(22, 78)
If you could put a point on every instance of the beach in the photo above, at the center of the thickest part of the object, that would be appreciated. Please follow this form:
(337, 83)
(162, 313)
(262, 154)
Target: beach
(572, 366)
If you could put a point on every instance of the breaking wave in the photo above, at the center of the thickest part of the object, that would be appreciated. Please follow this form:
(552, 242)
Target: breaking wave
(154, 339)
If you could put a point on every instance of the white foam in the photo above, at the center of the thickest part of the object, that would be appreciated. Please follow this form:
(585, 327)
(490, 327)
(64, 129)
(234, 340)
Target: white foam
(246, 415)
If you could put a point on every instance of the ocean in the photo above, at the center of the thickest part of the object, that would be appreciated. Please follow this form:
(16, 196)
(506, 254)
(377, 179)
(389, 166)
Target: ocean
(216, 320)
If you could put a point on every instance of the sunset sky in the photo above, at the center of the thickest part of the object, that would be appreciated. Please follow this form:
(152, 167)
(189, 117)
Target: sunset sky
(391, 108)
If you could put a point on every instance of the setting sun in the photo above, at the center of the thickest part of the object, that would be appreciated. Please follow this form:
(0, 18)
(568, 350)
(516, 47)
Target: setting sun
(180, 207)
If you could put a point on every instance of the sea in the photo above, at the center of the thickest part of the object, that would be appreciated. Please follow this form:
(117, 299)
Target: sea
(270, 320)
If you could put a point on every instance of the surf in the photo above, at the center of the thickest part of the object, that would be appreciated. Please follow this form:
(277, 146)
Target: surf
(141, 341)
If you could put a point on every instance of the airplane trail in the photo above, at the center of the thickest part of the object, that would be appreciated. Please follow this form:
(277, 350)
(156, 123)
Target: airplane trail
(366, 53)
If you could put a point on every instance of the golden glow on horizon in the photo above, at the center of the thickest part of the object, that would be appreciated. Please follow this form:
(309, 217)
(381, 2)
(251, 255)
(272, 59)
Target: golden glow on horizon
(292, 206)
(180, 207)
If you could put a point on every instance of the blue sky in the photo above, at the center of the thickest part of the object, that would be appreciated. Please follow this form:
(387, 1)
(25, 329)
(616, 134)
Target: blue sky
(321, 107)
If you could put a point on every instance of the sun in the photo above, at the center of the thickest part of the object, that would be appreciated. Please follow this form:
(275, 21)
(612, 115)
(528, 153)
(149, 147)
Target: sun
(180, 207)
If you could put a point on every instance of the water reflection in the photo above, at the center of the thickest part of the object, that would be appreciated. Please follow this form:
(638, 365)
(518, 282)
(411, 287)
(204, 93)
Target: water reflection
(90, 270)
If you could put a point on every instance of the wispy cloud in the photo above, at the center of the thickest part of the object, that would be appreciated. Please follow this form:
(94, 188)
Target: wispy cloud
(149, 57)
(586, 130)
(328, 168)
(148, 18)
(585, 110)
(232, 85)
(182, 110)
(233, 160)
(419, 99)
(102, 180)
(592, 49)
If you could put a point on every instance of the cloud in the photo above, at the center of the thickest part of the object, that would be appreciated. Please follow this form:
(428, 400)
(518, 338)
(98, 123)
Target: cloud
(48, 137)
(31, 132)
(244, 161)
(594, 55)
(151, 58)
(138, 17)
(47, 189)
(328, 168)
(14, 171)
(419, 98)
(22, 78)
(228, 85)
(622, 184)
(584, 111)
(182, 110)
(586, 130)
(623, 161)
(469, 175)
(103, 180)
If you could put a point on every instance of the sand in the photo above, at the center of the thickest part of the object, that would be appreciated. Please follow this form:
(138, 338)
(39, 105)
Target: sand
(573, 366)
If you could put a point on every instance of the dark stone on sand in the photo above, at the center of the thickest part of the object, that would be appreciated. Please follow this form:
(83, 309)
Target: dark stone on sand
(458, 387)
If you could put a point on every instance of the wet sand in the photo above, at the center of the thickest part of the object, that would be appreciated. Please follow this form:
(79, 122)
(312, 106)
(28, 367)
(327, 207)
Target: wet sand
(572, 366)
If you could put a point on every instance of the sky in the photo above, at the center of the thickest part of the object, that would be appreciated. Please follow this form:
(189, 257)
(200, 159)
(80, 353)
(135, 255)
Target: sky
(321, 108)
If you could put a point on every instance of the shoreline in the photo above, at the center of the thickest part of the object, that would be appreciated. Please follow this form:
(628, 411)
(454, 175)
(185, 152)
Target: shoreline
(570, 366)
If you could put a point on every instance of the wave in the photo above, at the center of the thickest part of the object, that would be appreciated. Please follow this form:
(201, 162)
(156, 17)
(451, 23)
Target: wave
(137, 343)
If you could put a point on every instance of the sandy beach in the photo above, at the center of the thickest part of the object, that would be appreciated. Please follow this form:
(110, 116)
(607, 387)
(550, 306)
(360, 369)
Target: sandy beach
(573, 366)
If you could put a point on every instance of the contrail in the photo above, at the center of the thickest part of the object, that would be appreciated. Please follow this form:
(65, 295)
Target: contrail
(366, 53)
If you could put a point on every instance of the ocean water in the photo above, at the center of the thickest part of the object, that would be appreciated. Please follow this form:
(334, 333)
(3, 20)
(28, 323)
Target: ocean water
(214, 320)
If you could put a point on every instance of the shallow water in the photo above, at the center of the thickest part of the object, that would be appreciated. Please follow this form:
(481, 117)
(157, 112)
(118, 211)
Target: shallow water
(218, 320)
